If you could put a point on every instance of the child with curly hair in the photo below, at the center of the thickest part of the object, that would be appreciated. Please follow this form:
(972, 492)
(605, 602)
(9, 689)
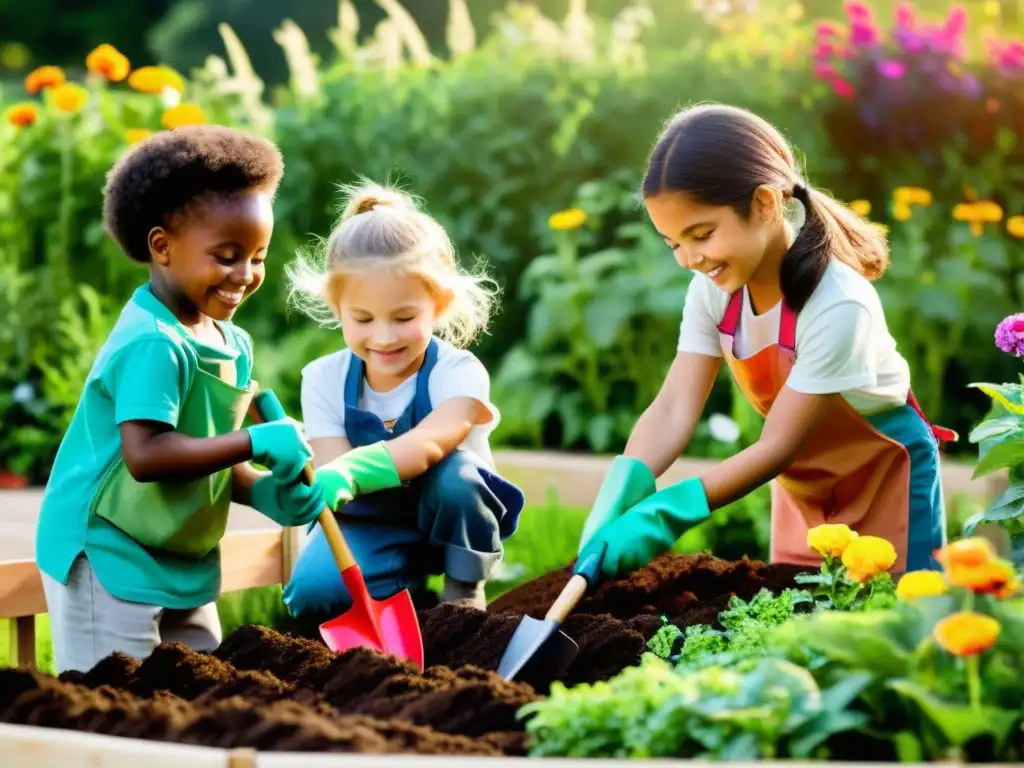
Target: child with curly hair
(128, 533)
(406, 390)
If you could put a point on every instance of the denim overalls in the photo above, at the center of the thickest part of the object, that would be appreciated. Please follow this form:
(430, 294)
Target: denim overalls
(451, 519)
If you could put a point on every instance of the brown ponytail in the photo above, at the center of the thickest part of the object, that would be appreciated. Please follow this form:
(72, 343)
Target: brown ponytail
(830, 230)
(721, 155)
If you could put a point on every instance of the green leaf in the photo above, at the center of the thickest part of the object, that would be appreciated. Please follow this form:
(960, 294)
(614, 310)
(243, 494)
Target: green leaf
(1007, 395)
(1006, 453)
(599, 432)
(908, 747)
(605, 319)
(1010, 504)
(994, 428)
(959, 723)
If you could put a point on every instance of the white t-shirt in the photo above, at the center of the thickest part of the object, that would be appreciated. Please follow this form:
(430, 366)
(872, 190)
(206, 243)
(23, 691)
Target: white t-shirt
(457, 373)
(842, 342)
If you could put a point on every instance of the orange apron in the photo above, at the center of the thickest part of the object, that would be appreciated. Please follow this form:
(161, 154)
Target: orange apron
(878, 474)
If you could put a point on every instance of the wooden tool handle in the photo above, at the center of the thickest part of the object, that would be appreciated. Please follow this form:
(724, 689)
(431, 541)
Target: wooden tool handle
(259, 411)
(567, 600)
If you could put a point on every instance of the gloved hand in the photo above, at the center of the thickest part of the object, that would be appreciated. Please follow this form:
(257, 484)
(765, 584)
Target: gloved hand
(650, 528)
(360, 471)
(628, 482)
(288, 504)
(281, 447)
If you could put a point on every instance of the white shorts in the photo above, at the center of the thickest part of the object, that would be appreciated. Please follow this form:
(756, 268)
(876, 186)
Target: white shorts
(88, 623)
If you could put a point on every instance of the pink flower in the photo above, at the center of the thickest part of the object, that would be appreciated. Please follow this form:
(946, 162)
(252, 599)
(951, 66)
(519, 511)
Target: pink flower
(905, 15)
(863, 33)
(857, 11)
(824, 70)
(843, 89)
(1010, 335)
(826, 29)
(956, 21)
(823, 49)
(892, 70)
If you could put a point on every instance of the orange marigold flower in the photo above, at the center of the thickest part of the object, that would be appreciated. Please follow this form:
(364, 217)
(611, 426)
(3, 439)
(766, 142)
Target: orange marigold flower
(183, 114)
(106, 60)
(44, 77)
(974, 550)
(69, 97)
(989, 577)
(22, 114)
(966, 633)
(867, 556)
(1008, 591)
(155, 79)
(830, 539)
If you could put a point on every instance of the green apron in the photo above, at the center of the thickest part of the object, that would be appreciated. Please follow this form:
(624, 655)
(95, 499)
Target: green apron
(187, 518)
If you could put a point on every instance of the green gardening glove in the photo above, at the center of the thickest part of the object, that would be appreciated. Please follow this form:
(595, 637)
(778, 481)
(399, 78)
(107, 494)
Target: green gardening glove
(628, 482)
(650, 528)
(281, 447)
(287, 504)
(358, 472)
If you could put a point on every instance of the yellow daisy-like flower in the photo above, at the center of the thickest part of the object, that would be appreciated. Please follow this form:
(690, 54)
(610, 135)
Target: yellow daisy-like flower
(868, 556)
(901, 211)
(183, 114)
(155, 79)
(966, 633)
(830, 540)
(1015, 226)
(106, 60)
(913, 195)
(134, 135)
(573, 218)
(22, 115)
(917, 584)
(861, 207)
(68, 97)
(44, 77)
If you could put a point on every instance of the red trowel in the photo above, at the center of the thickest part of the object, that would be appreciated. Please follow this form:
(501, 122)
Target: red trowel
(388, 625)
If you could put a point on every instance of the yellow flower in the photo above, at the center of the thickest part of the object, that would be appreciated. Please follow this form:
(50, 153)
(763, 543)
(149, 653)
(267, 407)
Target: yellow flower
(921, 584)
(183, 114)
(44, 77)
(913, 196)
(573, 218)
(106, 60)
(861, 207)
(155, 79)
(22, 114)
(989, 577)
(69, 97)
(901, 211)
(1015, 226)
(868, 556)
(971, 551)
(966, 633)
(830, 540)
(978, 214)
(133, 135)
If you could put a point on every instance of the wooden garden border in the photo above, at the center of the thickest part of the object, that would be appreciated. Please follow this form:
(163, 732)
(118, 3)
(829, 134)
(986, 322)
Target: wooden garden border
(24, 746)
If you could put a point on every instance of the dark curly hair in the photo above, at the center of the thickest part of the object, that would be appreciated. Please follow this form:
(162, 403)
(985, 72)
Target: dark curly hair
(160, 178)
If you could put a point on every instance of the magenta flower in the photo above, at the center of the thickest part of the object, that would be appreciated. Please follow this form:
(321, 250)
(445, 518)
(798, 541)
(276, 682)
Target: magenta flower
(823, 49)
(892, 70)
(824, 70)
(863, 33)
(956, 21)
(858, 11)
(826, 29)
(1010, 335)
(842, 88)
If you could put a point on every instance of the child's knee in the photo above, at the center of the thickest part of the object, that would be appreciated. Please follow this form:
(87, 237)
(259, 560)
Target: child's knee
(455, 487)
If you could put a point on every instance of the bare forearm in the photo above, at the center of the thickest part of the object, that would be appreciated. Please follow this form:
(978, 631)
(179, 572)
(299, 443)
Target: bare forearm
(656, 442)
(435, 437)
(153, 457)
(738, 475)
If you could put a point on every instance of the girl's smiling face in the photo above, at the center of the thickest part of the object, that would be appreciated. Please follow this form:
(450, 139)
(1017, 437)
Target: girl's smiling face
(387, 320)
(716, 240)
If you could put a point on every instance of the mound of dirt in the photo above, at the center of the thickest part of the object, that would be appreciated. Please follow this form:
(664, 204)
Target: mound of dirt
(280, 692)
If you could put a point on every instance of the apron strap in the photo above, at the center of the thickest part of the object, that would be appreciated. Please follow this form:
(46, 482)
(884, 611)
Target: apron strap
(421, 405)
(731, 318)
(942, 434)
(353, 381)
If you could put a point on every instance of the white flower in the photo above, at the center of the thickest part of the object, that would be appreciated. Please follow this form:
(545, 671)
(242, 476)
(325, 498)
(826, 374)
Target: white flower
(723, 429)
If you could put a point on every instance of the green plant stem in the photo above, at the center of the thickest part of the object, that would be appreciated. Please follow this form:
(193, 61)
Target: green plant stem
(973, 682)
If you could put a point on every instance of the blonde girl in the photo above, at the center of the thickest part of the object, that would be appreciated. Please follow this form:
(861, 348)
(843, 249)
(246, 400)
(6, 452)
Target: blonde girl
(389, 280)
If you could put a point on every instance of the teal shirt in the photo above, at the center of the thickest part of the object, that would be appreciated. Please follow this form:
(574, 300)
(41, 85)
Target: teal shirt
(143, 372)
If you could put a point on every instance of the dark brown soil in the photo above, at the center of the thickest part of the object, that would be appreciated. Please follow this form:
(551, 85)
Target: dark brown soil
(273, 691)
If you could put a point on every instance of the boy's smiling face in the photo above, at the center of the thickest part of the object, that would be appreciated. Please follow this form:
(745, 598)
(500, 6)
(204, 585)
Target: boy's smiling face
(212, 257)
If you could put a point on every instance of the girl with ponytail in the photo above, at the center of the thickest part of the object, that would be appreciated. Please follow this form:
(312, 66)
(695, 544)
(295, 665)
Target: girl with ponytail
(782, 294)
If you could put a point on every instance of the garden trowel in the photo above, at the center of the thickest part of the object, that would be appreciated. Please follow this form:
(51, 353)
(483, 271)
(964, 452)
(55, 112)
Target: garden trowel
(538, 648)
(388, 625)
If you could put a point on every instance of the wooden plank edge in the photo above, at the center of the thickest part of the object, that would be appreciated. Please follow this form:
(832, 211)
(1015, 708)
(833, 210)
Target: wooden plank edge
(26, 746)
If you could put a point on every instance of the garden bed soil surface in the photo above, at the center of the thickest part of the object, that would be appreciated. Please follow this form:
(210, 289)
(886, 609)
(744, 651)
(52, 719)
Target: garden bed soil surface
(279, 692)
